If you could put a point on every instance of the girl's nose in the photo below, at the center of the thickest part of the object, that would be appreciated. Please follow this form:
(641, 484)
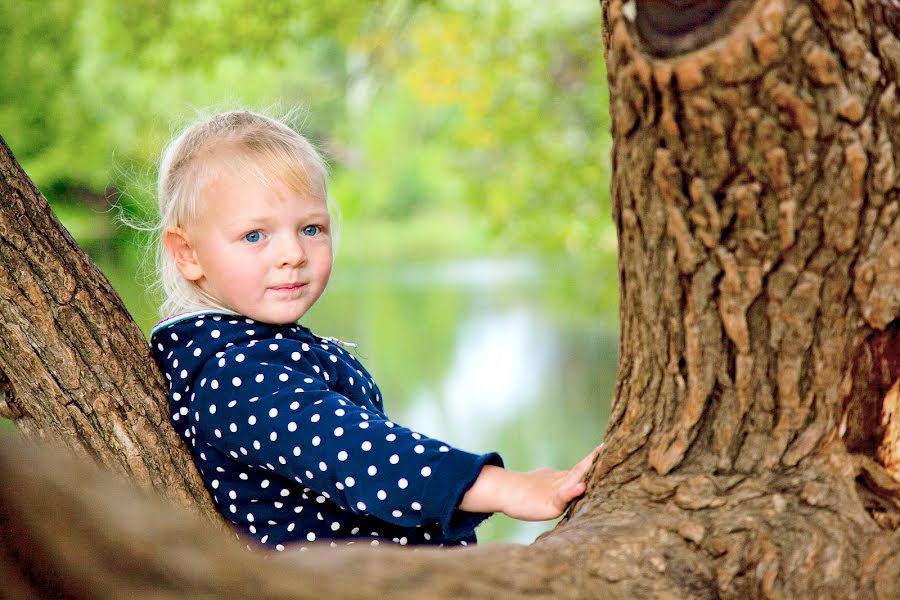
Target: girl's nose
(291, 253)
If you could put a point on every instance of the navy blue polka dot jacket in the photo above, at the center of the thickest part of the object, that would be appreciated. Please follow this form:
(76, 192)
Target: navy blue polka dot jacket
(290, 435)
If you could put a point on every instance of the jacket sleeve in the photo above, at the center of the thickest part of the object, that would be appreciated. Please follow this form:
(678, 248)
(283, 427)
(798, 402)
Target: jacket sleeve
(283, 417)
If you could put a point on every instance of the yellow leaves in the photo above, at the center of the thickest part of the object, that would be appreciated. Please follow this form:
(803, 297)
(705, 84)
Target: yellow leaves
(474, 137)
(444, 60)
(439, 67)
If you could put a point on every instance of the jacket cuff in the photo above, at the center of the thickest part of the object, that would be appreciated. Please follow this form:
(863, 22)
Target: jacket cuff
(462, 468)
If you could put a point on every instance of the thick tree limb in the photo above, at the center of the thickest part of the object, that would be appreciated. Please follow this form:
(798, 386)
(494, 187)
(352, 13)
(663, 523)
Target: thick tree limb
(67, 529)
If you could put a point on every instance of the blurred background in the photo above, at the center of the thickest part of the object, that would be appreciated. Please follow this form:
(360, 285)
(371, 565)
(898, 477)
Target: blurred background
(468, 143)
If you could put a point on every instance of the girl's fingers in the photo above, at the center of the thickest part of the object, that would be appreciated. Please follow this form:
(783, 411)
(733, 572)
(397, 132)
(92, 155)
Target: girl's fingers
(569, 492)
(572, 484)
(576, 474)
(585, 463)
(576, 490)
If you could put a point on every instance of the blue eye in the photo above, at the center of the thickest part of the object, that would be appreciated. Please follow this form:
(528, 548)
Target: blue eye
(253, 237)
(311, 230)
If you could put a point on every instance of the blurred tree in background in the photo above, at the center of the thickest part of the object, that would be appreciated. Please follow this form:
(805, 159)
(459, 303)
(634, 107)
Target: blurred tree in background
(452, 126)
(456, 131)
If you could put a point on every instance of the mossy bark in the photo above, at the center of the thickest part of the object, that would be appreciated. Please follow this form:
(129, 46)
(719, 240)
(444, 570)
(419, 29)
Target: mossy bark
(755, 416)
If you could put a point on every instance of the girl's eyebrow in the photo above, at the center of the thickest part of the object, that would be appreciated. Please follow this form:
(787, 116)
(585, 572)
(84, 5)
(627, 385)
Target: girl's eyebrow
(242, 222)
(318, 214)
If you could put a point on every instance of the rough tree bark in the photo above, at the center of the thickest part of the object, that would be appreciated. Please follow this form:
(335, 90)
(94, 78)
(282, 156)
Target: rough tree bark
(74, 366)
(751, 450)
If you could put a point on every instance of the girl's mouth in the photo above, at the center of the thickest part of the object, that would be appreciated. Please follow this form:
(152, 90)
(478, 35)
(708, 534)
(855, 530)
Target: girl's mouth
(288, 287)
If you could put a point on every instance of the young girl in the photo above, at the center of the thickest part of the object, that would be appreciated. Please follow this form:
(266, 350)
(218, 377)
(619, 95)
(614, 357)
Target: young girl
(287, 428)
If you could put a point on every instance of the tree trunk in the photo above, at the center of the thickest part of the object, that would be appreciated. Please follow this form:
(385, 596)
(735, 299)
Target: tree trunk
(752, 449)
(74, 366)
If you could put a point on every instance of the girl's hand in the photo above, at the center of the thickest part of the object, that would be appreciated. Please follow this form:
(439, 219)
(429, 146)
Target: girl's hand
(536, 496)
(544, 494)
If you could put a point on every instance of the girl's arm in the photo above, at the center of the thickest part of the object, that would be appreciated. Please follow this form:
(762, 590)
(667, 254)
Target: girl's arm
(279, 414)
(535, 496)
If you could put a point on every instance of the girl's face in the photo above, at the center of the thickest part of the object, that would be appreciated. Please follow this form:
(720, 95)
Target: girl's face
(263, 251)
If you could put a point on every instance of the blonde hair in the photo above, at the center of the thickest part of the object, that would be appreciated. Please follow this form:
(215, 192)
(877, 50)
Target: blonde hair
(247, 144)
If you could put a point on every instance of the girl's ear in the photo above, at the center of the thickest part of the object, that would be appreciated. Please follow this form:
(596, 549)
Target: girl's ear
(179, 248)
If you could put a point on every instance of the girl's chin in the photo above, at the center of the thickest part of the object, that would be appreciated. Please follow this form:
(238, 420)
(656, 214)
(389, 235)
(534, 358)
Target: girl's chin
(279, 315)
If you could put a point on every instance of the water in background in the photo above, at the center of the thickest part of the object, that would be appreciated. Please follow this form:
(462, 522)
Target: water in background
(476, 352)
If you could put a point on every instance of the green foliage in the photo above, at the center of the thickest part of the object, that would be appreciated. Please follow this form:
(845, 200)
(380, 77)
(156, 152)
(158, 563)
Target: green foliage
(453, 126)
(489, 111)
(534, 128)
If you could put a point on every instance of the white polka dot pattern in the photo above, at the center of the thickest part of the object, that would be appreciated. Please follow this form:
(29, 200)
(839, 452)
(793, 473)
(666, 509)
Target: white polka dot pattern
(289, 432)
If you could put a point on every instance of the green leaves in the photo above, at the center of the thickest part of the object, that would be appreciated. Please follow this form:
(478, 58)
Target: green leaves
(493, 110)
